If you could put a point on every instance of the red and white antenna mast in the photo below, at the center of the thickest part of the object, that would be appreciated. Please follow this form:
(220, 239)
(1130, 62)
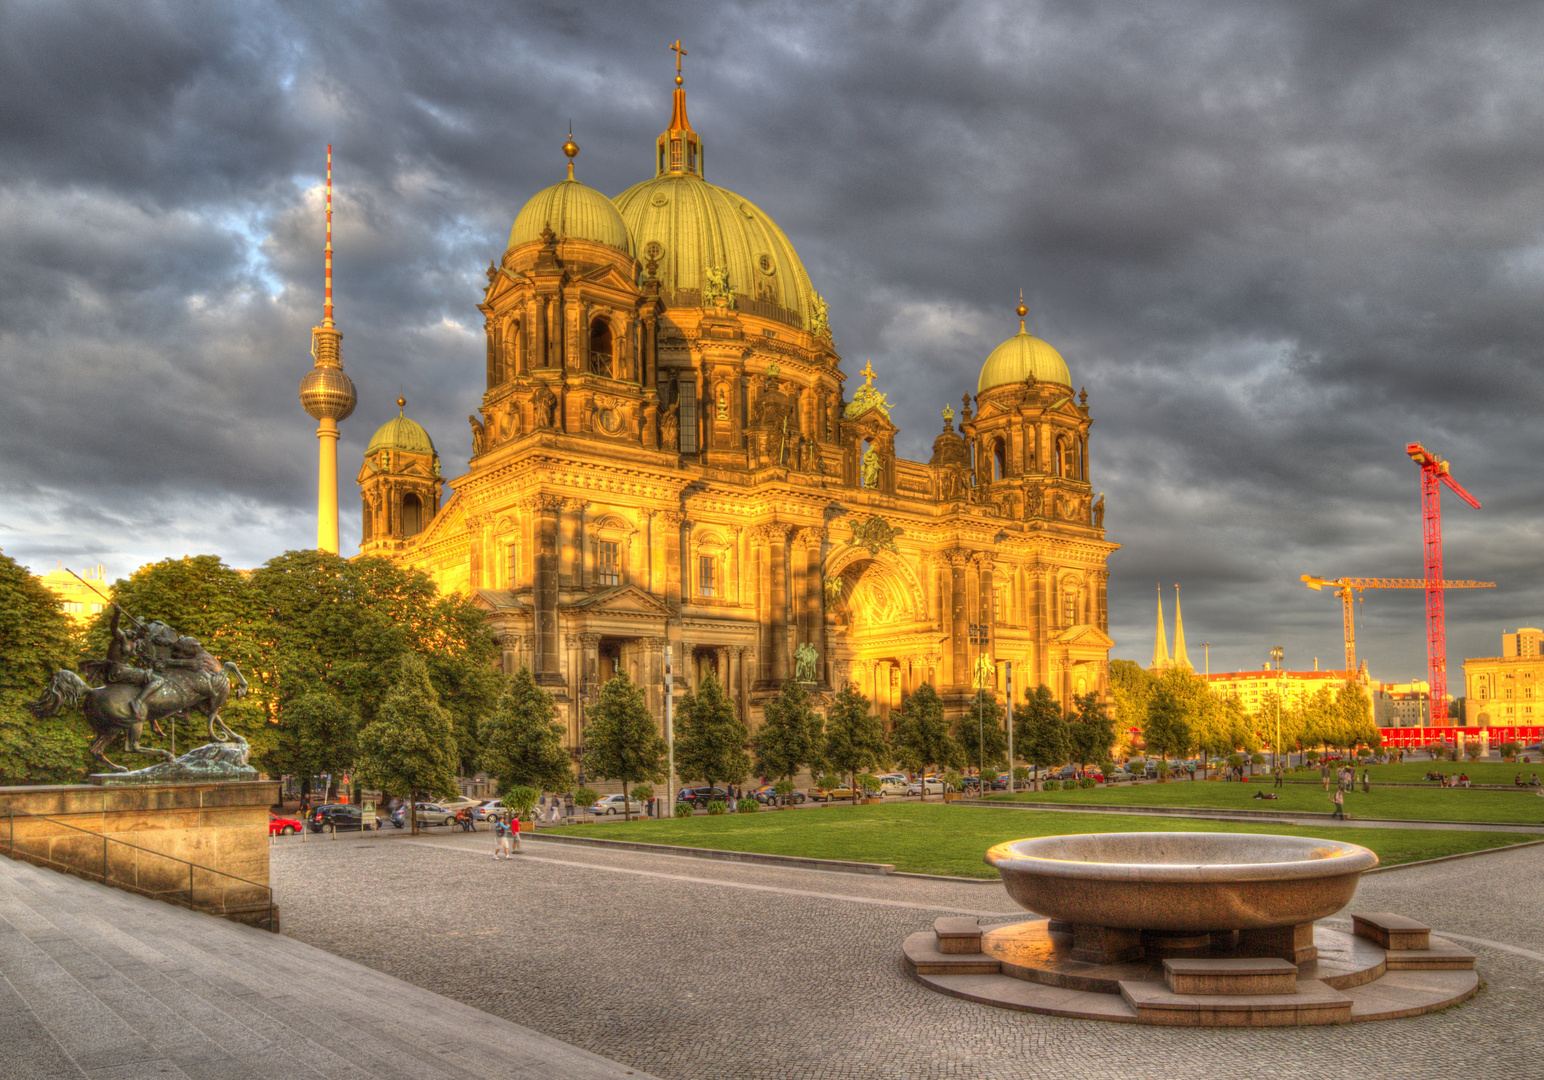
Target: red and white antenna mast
(1434, 472)
(327, 302)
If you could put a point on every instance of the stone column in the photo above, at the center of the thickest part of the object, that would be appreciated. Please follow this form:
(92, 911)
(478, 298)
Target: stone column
(545, 590)
(1101, 580)
(671, 523)
(959, 645)
(652, 677)
(776, 536)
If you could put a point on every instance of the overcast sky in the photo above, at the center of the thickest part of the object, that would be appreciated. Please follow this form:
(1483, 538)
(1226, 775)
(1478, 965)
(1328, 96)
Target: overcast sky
(1275, 241)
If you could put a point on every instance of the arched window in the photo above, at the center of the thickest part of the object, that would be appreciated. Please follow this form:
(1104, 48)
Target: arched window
(412, 515)
(600, 347)
(999, 461)
(365, 531)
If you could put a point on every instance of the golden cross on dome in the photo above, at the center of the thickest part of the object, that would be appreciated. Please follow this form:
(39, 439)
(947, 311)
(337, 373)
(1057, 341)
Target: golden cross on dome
(679, 52)
(868, 374)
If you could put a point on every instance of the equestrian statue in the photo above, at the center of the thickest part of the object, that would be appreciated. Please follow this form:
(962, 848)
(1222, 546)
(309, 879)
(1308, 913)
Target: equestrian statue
(150, 672)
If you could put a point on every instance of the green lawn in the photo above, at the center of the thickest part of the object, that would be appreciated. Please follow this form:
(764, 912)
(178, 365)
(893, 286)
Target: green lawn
(1402, 803)
(1481, 772)
(940, 839)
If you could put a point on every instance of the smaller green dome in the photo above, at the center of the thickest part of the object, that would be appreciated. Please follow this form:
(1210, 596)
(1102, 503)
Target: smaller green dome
(573, 212)
(1020, 356)
(400, 433)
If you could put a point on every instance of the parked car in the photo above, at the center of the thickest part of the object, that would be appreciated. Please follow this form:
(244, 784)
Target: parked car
(973, 783)
(768, 796)
(847, 793)
(426, 813)
(339, 817)
(283, 826)
(614, 804)
(1120, 775)
(490, 809)
(893, 784)
(701, 796)
(935, 786)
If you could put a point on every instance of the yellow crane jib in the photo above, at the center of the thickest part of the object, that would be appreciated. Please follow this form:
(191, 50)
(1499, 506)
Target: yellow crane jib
(1346, 589)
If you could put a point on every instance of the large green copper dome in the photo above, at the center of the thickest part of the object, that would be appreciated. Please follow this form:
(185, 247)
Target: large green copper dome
(688, 226)
(400, 433)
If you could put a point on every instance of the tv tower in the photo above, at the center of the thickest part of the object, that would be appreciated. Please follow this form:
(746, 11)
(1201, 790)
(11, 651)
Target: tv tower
(328, 395)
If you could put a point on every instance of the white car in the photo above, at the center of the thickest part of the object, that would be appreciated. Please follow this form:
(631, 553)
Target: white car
(935, 786)
(893, 784)
(614, 804)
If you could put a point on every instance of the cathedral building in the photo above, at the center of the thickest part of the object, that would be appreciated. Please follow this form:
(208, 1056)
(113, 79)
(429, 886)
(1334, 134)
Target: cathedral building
(667, 455)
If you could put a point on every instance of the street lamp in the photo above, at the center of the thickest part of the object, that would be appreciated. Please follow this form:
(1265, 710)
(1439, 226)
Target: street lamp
(587, 686)
(1276, 654)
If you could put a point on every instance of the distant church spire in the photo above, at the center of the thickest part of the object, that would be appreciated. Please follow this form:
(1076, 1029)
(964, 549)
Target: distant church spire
(1161, 641)
(329, 396)
(1180, 659)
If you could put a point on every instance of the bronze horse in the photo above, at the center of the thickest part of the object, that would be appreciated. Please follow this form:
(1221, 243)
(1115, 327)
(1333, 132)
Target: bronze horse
(108, 709)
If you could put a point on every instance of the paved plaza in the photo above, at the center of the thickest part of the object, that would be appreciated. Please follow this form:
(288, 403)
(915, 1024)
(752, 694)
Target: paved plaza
(688, 968)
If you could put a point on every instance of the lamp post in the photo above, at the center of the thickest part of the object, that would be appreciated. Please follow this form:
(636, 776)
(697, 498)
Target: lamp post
(1276, 654)
(1008, 719)
(586, 694)
(669, 807)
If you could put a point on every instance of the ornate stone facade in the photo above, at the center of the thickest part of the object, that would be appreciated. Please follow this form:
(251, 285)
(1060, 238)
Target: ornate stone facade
(651, 472)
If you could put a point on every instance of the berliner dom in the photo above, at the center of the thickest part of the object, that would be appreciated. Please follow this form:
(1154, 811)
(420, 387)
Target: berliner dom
(668, 454)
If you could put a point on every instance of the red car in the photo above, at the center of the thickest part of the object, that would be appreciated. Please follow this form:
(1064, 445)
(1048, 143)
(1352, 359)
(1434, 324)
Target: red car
(282, 825)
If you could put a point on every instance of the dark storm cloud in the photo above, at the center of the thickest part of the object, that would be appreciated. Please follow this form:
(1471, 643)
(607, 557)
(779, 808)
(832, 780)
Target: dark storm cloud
(1275, 241)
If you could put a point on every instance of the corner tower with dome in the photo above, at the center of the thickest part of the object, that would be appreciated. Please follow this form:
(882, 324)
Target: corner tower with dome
(668, 455)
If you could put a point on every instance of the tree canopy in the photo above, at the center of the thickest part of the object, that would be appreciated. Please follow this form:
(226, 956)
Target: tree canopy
(409, 748)
(523, 740)
(790, 736)
(711, 740)
(621, 741)
(980, 728)
(855, 739)
(1040, 733)
(1090, 734)
(36, 640)
(922, 736)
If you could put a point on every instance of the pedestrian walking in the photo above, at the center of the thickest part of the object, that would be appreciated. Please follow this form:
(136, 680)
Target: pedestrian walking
(1339, 799)
(513, 836)
(1278, 776)
(501, 841)
(1366, 782)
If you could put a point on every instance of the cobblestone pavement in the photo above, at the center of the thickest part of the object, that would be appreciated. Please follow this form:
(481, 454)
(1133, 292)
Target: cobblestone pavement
(688, 968)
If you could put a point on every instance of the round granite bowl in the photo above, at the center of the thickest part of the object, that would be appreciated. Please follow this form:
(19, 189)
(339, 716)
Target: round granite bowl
(1181, 882)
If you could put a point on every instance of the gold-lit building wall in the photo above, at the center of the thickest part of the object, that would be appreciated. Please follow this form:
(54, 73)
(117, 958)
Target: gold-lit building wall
(1506, 690)
(79, 600)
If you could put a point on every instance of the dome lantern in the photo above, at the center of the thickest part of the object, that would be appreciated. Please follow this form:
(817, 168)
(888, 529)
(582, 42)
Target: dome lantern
(1023, 356)
(678, 150)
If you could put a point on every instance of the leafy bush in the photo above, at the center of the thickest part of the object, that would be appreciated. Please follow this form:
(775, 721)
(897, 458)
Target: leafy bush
(642, 792)
(746, 806)
(1257, 759)
(1021, 774)
(1311, 757)
(585, 797)
(988, 777)
(784, 788)
(683, 809)
(717, 806)
(952, 780)
(522, 799)
(1051, 785)
(1164, 769)
(1086, 782)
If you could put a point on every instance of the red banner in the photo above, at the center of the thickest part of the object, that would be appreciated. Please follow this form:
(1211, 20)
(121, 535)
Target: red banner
(1405, 738)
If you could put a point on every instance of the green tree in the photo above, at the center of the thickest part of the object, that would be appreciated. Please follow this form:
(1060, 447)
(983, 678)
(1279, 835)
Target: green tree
(980, 727)
(409, 748)
(622, 741)
(36, 640)
(711, 740)
(1091, 734)
(1167, 729)
(922, 735)
(1356, 715)
(855, 738)
(523, 740)
(1131, 685)
(1040, 734)
(322, 736)
(790, 736)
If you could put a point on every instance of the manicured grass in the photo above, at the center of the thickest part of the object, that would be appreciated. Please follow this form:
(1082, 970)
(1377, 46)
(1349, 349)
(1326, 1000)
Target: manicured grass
(940, 839)
(1402, 803)
(1480, 772)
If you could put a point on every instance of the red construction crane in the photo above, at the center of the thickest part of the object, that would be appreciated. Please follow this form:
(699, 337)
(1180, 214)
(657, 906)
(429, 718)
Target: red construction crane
(1434, 471)
(1346, 588)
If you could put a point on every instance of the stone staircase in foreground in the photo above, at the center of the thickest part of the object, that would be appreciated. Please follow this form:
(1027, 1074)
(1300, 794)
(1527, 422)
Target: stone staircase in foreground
(98, 982)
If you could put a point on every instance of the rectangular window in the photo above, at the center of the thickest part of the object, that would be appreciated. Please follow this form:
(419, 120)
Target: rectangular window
(705, 576)
(606, 570)
(688, 392)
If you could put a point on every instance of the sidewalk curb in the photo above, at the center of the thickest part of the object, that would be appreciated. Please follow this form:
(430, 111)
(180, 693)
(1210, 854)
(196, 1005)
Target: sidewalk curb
(1450, 858)
(1277, 817)
(720, 855)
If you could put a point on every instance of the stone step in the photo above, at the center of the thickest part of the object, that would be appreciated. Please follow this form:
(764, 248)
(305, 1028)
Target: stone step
(1439, 955)
(1312, 1003)
(1264, 975)
(922, 953)
(98, 979)
(958, 934)
(1395, 933)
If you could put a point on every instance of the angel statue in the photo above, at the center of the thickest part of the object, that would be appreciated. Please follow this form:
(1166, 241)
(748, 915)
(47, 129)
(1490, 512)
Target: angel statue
(986, 671)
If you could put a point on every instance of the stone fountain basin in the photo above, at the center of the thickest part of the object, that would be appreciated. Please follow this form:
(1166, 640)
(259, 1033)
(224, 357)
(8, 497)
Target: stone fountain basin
(1181, 882)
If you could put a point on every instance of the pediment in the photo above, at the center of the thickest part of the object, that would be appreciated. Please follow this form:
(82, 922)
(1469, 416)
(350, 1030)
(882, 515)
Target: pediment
(622, 600)
(1085, 635)
(498, 600)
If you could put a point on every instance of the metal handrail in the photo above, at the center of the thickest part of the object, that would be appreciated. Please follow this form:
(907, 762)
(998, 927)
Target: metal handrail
(12, 811)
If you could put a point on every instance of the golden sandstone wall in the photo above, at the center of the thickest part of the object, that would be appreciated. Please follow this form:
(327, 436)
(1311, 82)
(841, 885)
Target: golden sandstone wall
(143, 838)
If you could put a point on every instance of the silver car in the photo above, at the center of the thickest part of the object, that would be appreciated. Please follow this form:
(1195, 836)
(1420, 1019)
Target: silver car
(613, 804)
